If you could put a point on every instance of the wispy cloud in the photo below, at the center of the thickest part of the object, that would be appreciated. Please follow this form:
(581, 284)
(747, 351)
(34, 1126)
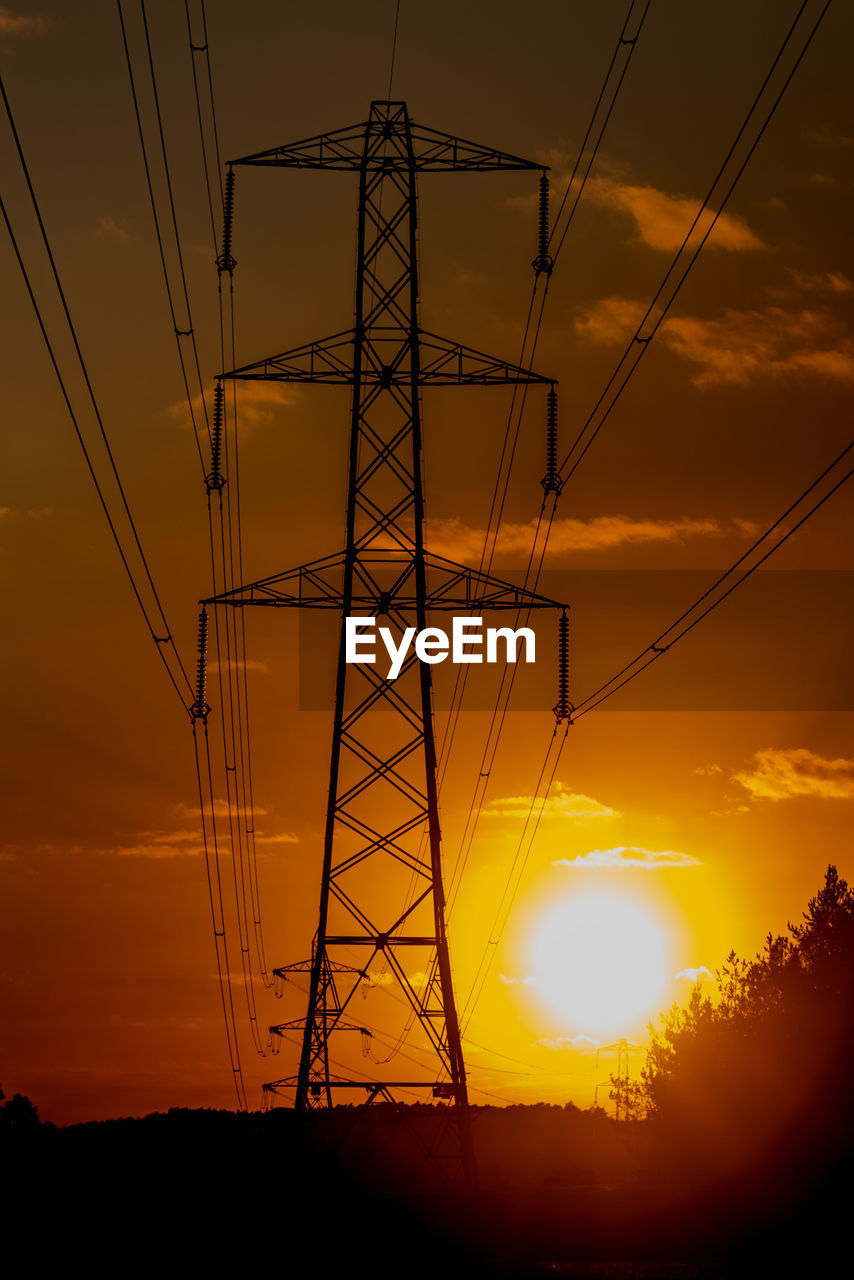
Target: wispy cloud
(162, 844)
(513, 982)
(662, 220)
(700, 974)
(583, 1043)
(827, 282)
(184, 843)
(251, 664)
(628, 856)
(221, 810)
(562, 803)
(779, 774)
(17, 24)
(109, 229)
(658, 219)
(258, 403)
(738, 347)
(453, 538)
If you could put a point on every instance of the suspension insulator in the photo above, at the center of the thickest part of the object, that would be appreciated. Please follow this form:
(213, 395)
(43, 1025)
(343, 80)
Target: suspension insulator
(225, 262)
(542, 262)
(200, 707)
(216, 479)
(551, 481)
(563, 708)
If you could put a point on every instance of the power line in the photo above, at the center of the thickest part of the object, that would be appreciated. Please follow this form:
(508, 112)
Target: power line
(177, 330)
(656, 649)
(393, 48)
(644, 342)
(520, 860)
(639, 342)
(625, 47)
(161, 642)
(607, 97)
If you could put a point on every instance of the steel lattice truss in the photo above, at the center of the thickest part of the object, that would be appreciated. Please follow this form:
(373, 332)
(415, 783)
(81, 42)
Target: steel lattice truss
(383, 790)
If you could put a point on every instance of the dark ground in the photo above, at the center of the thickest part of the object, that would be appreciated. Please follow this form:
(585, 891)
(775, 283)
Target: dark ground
(562, 1193)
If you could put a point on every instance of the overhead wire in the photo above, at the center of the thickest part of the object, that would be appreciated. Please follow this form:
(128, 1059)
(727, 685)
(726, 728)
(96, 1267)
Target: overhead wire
(611, 85)
(228, 548)
(177, 330)
(239, 816)
(517, 870)
(662, 644)
(393, 48)
(242, 812)
(639, 342)
(644, 341)
(163, 643)
(602, 110)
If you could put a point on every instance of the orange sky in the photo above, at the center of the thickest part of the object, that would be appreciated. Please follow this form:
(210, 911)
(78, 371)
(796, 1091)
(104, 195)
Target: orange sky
(107, 977)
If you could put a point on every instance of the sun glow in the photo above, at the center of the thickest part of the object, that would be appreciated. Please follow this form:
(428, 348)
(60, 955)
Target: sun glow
(601, 960)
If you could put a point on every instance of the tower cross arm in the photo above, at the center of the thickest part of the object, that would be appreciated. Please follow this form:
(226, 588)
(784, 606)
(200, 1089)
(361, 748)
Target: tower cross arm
(387, 362)
(437, 152)
(340, 149)
(385, 582)
(389, 141)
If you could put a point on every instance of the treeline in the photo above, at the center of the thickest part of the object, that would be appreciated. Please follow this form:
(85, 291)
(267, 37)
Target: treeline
(737, 1158)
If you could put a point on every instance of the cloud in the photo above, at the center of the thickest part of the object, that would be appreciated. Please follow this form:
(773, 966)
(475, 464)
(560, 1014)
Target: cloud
(179, 843)
(708, 770)
(775, 342)
(782, 774)
(661, 220)
(628, 856)
(829, 136)
(700, 974)
(257, 403)
(833, 282)
(108, 229)
(221, 810)
(512, 982)
(379, 979)
(584, 1043)
(251, 664)
(452, 538)
(15, 24)
(562, 803)
(158, 851)
(182, 843)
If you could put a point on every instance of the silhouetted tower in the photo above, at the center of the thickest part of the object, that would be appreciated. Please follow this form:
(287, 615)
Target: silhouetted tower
(382, 898)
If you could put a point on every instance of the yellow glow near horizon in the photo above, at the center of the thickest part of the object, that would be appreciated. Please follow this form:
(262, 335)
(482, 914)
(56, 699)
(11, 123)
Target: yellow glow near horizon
(601, 960)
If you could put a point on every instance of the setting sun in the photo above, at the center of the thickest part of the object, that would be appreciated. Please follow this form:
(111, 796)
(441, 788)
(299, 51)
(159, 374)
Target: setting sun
(600, 960)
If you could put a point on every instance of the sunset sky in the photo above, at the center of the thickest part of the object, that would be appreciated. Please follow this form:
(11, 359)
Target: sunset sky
(700, 808)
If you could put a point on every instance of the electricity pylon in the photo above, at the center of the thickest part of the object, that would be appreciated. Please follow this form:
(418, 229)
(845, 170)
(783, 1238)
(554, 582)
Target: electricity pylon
(383, 788)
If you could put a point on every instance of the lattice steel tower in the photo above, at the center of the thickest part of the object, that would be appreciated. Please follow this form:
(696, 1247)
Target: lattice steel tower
(383, 790)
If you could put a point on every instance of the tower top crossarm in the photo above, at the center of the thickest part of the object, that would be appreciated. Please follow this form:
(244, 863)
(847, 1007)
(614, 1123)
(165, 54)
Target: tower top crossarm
(382, 143)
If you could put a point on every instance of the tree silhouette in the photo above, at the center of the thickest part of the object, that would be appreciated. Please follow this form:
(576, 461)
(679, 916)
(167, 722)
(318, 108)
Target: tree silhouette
(18, 1114)
(760, 1066)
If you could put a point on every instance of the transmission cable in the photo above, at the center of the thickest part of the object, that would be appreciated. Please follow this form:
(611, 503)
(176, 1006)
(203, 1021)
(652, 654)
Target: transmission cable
(644, 342)
(657, 649)
(161, 642)
(639, 342)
